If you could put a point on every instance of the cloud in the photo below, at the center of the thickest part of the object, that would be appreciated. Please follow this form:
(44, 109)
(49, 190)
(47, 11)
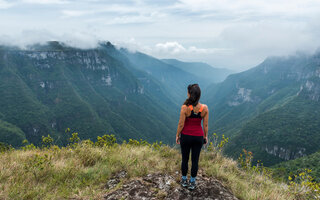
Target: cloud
(45, 1)
(174, 48)
(74, 13)
(135, 19)
(4, 4)
(231, 33)
(250, 7)
(77, 39)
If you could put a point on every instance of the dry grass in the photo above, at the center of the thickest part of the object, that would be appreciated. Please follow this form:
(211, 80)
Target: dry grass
(82, 172)
(244, 184)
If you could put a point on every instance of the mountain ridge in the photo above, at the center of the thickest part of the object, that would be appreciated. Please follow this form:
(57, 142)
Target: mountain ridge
(271, 92)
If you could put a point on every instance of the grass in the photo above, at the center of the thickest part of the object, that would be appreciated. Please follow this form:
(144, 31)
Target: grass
(244, 184)
(82, 171)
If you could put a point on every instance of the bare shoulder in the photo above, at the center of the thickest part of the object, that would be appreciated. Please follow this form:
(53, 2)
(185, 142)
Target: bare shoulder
(184, 107)
(205, 107)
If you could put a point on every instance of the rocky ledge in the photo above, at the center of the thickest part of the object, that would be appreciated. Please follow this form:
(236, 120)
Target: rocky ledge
(164, 186)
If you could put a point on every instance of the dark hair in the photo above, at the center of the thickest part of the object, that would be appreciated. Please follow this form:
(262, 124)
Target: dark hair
(195, 93)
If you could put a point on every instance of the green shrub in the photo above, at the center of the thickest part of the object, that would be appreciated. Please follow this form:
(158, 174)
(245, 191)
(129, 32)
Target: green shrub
(74, 139)
(304, 186)
(216, 145)
(36, 164)
(47, 141)
(106, 140)
(4, 147)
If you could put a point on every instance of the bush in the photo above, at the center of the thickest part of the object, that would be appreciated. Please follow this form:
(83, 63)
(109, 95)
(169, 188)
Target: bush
(106, 140)
(74, 140)
(4, 147)
(216, 145)
(36, 164)
(304, 186)
(47, 141)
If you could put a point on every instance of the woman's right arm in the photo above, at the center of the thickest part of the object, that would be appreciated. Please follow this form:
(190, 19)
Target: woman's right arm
(181, 122)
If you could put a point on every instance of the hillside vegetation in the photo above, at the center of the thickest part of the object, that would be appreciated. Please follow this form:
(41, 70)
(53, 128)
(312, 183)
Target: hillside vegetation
(47, 88)
(82, 170)
(271, 109)
(296, 166)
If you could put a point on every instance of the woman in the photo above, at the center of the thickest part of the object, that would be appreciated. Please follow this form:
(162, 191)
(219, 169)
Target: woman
(192, 135)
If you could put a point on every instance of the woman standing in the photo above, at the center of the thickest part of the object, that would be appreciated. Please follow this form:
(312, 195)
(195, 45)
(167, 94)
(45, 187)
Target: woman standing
(190, 134)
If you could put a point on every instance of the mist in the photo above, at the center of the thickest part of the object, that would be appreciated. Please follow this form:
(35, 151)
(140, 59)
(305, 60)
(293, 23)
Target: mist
(230, 34)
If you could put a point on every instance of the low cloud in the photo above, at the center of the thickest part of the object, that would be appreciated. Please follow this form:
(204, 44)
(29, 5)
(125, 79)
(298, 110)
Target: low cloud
(74, 13)
(82, 40)
(4, 4)
(174, 48)
(130, 20)
(45, 1)
(224, 33)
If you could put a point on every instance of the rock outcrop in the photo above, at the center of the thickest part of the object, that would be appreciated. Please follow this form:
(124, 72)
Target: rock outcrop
(164, 186)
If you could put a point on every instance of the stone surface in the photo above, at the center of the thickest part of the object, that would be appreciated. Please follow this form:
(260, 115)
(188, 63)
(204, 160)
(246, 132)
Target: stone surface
(164, 186)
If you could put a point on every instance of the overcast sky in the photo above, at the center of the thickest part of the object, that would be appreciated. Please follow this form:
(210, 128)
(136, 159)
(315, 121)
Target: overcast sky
(236, 34)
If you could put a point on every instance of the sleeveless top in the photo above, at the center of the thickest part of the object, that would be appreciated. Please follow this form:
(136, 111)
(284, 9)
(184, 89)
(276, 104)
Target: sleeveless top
(192, 124)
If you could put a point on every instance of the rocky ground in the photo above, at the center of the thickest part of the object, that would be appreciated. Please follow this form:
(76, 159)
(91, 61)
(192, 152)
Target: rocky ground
(163, 186)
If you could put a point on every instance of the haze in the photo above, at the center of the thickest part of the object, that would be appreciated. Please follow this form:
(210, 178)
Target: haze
(224, 33)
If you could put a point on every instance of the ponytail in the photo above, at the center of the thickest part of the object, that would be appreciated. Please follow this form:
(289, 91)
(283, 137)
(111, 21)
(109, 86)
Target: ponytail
(195, 93)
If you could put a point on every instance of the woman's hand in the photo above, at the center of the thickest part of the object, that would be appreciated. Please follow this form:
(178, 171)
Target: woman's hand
(205, 140)
(178, 139)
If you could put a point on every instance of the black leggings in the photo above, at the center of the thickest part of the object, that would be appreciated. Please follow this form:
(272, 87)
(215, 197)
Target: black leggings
(194, 143)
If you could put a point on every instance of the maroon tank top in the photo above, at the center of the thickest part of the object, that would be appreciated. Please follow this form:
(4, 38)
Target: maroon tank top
(192, 124)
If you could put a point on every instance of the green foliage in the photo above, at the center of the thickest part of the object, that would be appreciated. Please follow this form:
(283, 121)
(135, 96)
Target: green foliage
(216, 145)
(25, 142)
(4, 147)
(88, 142)
(292, 167)
(67, 130)
(106, 140)
(74, 139)
(29, 147)
(49, 89)
(47, 141)
(36, 164)
(269, 106)
(304, 186)
(156, 145)
(294, 126)
(134, 142)
(10, 134)
(245, 159)
(245, 162)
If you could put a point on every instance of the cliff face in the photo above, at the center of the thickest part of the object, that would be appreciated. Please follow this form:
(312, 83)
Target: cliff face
(271, 109)
(46, 89)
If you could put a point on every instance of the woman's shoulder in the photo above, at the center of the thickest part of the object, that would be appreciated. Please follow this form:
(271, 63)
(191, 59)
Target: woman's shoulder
(184, 107)
(204, 105)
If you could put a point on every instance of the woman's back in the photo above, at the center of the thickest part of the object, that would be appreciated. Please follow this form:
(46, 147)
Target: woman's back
(194, 116)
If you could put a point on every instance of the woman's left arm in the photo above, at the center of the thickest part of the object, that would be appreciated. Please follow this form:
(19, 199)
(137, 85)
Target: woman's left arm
(205, 123)
(181, 122)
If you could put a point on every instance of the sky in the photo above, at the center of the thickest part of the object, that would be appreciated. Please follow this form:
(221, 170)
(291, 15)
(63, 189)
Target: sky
(234, 34)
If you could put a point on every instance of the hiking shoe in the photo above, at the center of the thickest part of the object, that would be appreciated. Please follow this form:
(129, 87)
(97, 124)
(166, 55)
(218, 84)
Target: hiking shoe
(184, 183)
(192, 185)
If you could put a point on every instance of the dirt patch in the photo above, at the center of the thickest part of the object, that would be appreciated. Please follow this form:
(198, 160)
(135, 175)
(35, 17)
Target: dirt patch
(163, 186)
